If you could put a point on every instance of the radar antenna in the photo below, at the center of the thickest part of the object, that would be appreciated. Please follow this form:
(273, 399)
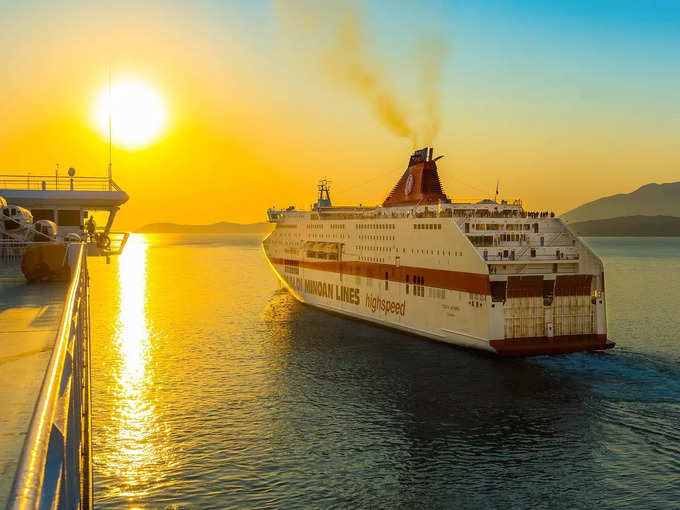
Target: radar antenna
(324, 188)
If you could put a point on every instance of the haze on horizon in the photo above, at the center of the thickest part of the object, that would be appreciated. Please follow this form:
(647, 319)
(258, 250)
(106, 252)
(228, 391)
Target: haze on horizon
(562, 102)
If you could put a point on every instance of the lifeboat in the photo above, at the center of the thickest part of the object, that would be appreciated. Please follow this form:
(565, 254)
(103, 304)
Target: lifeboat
(44, 231)
(15, 219)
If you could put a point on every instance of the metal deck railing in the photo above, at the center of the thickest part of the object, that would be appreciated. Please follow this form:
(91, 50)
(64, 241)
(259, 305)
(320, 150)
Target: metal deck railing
(54, 469)
(56, 183)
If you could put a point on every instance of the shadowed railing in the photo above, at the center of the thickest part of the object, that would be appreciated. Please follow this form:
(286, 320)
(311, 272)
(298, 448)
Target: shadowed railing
(54, 469)
(55, 183)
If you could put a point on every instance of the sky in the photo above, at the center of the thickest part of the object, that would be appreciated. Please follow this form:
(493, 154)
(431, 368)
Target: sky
(561, 102)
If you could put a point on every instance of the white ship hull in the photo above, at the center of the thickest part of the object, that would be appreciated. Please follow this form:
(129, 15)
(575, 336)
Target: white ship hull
(367, 299)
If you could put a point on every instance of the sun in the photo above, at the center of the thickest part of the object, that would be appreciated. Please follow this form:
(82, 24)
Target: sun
(136, 111)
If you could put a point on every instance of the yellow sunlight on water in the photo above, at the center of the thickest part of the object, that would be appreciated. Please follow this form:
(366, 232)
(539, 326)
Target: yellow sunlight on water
(136, 110)
(135, 420)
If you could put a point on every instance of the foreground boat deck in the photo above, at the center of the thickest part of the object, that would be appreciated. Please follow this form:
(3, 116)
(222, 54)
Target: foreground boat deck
(29, 321)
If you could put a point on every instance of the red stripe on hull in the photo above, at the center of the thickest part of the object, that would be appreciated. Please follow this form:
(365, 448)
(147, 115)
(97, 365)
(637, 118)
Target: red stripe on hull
(475, 283)
(550, 345)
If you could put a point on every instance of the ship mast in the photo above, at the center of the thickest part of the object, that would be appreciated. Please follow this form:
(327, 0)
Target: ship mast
(110, 144)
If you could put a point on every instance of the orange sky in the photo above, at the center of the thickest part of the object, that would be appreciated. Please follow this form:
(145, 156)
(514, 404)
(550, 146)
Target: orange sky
(255, 120)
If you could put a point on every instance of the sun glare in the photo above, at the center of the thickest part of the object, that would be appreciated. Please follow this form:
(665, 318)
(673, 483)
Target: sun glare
(136, 110)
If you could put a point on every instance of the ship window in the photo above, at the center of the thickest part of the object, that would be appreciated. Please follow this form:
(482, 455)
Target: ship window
(68, 218)
(43, 214)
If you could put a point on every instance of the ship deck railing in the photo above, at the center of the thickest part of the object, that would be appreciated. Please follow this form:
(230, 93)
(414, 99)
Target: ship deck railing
(54, 467)
(11, 250)
(117, 240)
(458, 211)
(56, 183)
(538, 258)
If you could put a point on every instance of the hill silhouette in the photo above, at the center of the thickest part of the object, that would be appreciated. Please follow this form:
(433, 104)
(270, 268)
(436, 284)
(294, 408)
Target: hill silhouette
(648, 200)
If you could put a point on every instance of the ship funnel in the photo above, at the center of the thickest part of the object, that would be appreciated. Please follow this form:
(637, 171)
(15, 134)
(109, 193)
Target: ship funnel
(419, 185)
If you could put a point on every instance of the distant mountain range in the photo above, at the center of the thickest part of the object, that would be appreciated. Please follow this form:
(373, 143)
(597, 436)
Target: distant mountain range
(649, 200)
(660, 226)
(222, 227)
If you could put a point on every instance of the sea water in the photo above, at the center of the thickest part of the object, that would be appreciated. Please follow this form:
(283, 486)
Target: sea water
(214, 388)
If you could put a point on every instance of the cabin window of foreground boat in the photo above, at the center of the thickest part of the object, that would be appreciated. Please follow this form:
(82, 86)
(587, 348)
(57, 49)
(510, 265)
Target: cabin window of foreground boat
(68, 218)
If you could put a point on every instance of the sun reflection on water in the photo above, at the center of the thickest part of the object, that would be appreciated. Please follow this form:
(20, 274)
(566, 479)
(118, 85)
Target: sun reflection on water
(137, 458)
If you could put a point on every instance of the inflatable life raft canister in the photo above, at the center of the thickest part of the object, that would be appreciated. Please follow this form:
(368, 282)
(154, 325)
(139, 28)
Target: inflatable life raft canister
(47, 261)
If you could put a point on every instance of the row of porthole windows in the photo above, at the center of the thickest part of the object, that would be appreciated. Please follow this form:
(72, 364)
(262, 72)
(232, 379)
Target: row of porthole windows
(378, 238)
(427, 226)
(438, 252)
(374, 248)
(324, 236)
(371, 259)
(377, 226)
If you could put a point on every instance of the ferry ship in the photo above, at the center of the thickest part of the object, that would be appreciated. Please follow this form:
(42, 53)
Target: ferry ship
(482, 274)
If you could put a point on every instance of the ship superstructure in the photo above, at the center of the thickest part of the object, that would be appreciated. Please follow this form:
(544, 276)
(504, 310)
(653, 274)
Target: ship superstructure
(483, 274)
(64, 203)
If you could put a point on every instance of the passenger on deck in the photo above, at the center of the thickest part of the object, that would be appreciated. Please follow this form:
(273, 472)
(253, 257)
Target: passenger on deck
(91, 228)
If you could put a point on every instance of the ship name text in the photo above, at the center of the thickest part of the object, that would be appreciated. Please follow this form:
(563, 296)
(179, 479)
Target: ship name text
(328, 290)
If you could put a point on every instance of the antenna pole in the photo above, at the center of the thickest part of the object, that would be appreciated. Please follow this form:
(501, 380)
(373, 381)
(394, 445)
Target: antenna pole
(497, 183)
(110, 108)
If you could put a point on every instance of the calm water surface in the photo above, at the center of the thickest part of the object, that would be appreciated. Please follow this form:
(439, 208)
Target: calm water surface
(215, 389)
